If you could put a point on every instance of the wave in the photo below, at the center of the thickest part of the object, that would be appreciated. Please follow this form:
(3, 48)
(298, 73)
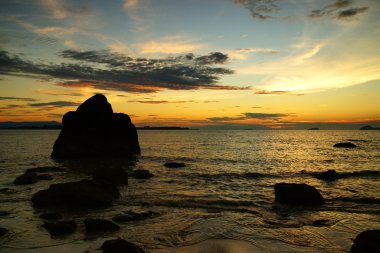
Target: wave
(350, 174)
(230, 175)
(365, 200)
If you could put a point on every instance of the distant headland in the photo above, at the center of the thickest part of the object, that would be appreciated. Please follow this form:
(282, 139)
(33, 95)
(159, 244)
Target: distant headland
(369, 128)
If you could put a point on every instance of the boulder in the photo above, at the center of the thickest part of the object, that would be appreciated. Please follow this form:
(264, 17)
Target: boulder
(329, 175)
(297, 194)
(26, 178)
(112, 175)
(80, 194)
(345, 145)
(60, 228)
(367, 242)
(45, 169)
(141, 174)
(100, 226)
(95, 131)
(3, 231)
(120, 245)
(51, 216)
(174, 165)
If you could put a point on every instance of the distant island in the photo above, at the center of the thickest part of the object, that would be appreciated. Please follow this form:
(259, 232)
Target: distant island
(369, 128)
(31, 125)
(313, 128)
(162, 128)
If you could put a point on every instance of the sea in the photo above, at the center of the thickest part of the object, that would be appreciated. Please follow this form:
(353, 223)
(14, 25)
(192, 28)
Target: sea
(221, 202)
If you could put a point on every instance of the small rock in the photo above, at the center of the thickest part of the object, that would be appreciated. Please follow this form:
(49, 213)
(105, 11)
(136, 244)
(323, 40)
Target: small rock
(297, 194)
(112, 175)
(320, 223)
(51, 216)
(329, 175)
(367, 242)
(119, 246)
(142, 174)
(4, 213)
(26, 178)
(100, 225)
(174, 165)
(3, 190)
(60, 228)
(3, 231)
(345, 145)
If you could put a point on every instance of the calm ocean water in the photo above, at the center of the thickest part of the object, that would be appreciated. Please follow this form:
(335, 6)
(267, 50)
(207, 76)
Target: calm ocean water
(224, 192)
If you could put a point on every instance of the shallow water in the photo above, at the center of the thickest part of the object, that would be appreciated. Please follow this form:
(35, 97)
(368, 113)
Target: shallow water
(222, 201)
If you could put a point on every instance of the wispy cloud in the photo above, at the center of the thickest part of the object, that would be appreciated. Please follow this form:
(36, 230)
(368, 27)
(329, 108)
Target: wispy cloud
(275, 92)
(60, 9)
(243, 53)
(169, 45)
(250, 115)
(18, 98)
(160, 101)
(351, 12)
(56, 104)
(338, 10)
(259, 9)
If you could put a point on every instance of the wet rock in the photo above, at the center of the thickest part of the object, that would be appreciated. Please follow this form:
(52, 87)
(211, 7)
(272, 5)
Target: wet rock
(3, 190)
(141, 174)
(112, 175)
(4, 213)
(60, 228)
(80, 194)
(51, 216)
(44, 177)
(3, 231)
(94, 131)
(174, 165)
(119, 246)
(367, 242)
(45, 169)
(329, 175)
(26, 178)
(134, 216)
(297, 194)
(100, 225)
(345, 145)
(320, 223)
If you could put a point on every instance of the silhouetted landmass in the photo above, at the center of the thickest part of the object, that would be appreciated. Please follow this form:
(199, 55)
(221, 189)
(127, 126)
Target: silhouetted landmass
(313, 128)
(31, 125)
(369, 128)
(162, 128)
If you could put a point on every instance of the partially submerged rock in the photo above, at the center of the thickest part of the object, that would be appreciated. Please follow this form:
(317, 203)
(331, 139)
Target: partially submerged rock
(120, 245)
(112, 175)
(80, 194)
(60, 228)
(26, 178)
(367, 242)
(141, 174)
(329, 175)
(100, 226)
(51, 216)
(95, 131)
(297, 194)
(345, 145)
(174, 165)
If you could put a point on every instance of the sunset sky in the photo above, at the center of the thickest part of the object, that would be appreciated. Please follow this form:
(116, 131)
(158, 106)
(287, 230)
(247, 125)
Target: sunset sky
(278, 64)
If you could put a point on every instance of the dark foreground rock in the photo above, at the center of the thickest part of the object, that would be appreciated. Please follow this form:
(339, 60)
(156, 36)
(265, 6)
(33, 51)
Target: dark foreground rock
(112, 175)
(367, 242)
(45, 169)
(26, 178)
(60, 228)
(345, 145)
(134, 216)
(329, 175)
(51, 216)
(297, 194)
(174, 165)
(3, 231)
(141, 174)
(100, 226)
(80, 194)
(95, 131)
(119, 246)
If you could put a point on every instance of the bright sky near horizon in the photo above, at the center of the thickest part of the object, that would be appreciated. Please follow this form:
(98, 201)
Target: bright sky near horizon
(275, 63)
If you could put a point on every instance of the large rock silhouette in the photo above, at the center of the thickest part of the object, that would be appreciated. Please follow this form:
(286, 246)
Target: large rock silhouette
(94, 130)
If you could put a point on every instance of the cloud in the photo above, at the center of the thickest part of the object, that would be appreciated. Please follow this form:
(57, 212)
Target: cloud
(336, 9)
(351, 12)
(259, 9)
(169, 45)
(18, 98)
(212, 58)
(276, 92)
(60, 9)
(117, 72)
(128, 4)
(55, 104)
(243, 53)
(251, 115)
(160, 101)
(57, 93)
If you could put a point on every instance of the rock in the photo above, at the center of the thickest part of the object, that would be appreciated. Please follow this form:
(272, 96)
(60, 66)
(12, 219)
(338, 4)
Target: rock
(369, 128)
(94, 131)
(60, 228)
(367, 242)
(3, 231)
(44, 177)
(119, 246)
(329, 175)
(297, 194)
(320, 223)
(51, 216)
(80, 194)
(100, 225)
(141, 174)
(45, 169)
(3, 190)
(134, 216)
(345, 145)
(26, 178)
(174, 165)
(4, 213)
(112, 175)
